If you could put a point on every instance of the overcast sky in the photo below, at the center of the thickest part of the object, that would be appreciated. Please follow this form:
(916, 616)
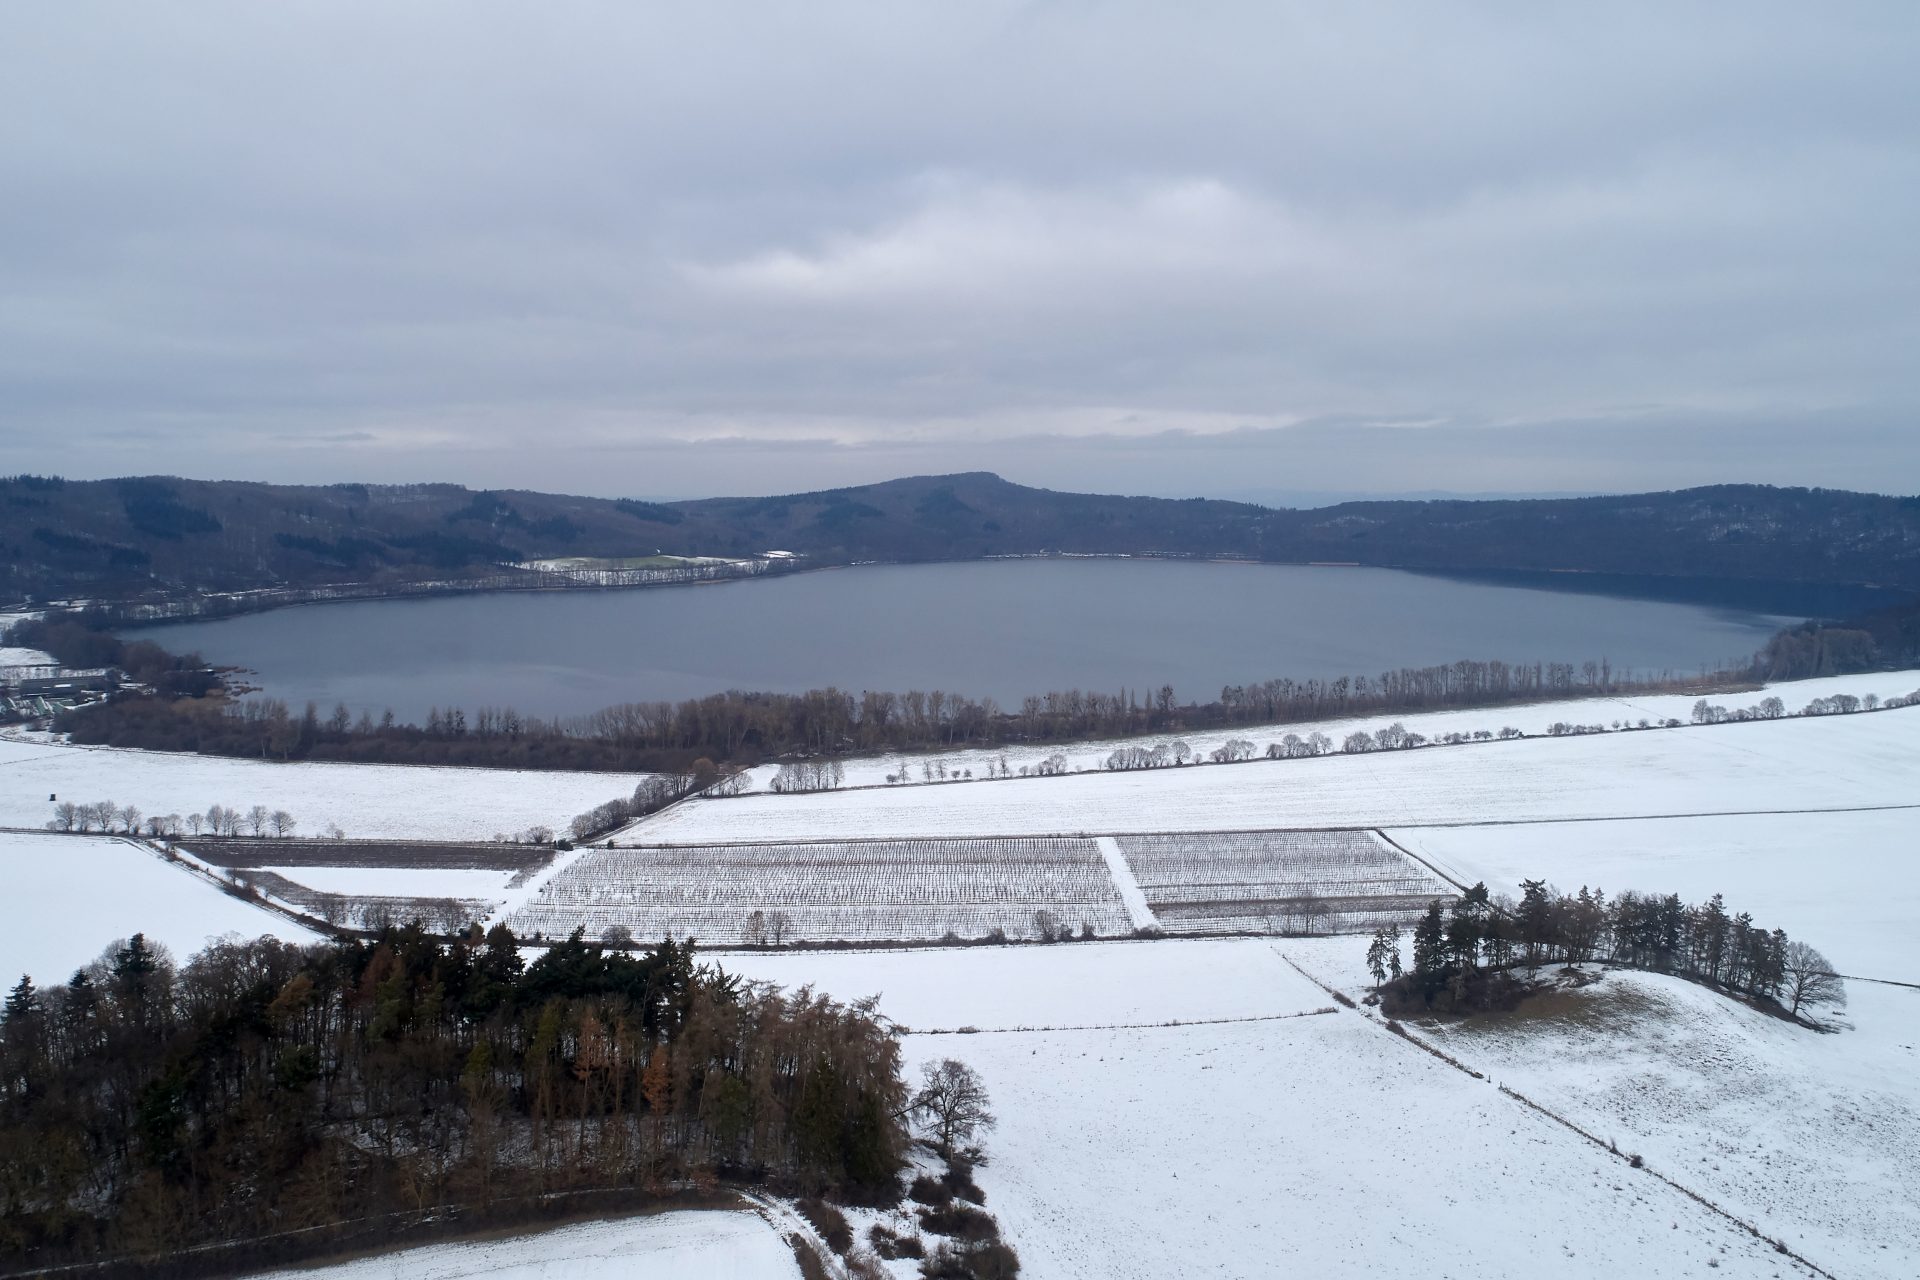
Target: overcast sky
(675, 250)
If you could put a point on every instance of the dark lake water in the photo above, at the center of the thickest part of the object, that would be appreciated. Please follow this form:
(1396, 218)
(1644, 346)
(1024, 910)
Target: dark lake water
(1002, 629)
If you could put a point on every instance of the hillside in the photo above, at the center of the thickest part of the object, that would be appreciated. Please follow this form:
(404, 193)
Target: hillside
(125, 538)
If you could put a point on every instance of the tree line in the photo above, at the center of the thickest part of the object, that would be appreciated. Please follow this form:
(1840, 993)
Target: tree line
(263, 1087)
(1462, 954)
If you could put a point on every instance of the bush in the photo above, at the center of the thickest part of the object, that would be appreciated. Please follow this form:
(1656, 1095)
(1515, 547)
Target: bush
(960, 1221)
(959, 1180)
(891, 1246)
(829, 1222)
(989, 1261)
(927, 1191)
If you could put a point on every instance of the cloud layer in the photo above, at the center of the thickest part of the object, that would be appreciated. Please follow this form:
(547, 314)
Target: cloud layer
(732, 248)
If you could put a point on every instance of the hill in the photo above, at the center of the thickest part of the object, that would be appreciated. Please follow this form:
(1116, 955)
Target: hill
(163, 536)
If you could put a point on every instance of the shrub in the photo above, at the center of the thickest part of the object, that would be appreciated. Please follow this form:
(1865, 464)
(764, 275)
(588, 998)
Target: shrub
(926, 1190)
(829, 1222)
(960, 1221)
(891, 1246)
(959, 1180)
(989, 1261)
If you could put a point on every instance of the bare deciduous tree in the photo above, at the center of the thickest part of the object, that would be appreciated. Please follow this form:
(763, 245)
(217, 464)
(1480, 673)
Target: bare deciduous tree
(1811, 979)
(282, 822)
(951, 1104)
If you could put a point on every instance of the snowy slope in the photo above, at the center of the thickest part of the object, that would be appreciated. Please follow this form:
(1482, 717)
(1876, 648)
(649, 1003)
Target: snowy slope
(1529, 718)
(712, 1244)
(1316, 1145)
(1816, 1137)
(402, 801)
(66, 897)
(1846, 882)
(1813, 763)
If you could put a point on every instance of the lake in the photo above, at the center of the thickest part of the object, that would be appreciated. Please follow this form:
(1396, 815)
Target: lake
(996, 628)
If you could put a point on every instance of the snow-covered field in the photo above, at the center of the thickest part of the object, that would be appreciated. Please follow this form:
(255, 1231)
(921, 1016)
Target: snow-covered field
(399, 801)
(1314, 1145)
(711, 1244)
(1529, 718)
(14, 656)
(1815, 1136)
(1066, 984)
(1820, 762)
(64, 898)
(1849, 883)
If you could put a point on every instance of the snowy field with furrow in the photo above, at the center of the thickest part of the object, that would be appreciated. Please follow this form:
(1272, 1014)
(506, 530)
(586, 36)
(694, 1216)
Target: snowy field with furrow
(1865, 760)
(363, 800)
(1815, 1136)
(1248, 1149)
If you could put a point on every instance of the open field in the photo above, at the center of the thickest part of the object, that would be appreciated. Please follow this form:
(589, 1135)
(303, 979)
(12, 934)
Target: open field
(1258, 1148)
(713, 1244)
(1815, 763)
(1531, 718)
(1849, 883)
(66, 897)
(886, 891)
(364, 800)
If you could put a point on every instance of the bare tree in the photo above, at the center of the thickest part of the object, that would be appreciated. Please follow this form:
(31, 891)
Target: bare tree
(282, 822)
(616, 935)
(951, 1104)
(129, 818)
(194, 822)
(1047, 926)
(451, 915)
(755, 932)
(257, 819)
(1811, 979)
(66, 816)
(778, 922)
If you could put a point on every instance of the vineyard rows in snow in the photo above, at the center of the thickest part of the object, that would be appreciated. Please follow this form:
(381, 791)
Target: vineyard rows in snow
(1278, 881)
(910, 890)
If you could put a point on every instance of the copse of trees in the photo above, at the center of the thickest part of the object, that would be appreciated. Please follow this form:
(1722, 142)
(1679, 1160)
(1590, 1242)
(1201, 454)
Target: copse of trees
(260, 1087)
(1463, 954)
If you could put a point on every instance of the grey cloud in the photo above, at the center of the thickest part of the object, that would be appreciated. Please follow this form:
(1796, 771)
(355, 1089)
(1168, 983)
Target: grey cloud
(1118, 246)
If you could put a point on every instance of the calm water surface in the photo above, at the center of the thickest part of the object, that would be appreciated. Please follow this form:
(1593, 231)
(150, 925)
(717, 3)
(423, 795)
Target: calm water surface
(1002, 629)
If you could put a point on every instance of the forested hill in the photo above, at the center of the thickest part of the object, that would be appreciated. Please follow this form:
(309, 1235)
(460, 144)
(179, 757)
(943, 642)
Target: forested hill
(150, 535)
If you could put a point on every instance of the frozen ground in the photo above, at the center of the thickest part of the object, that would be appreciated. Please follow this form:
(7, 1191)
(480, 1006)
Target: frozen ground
(64, 898)
(1848, 883)
(1316, 1145)
(1822, 762)
(711, 1244)
(1065, 984)
(13, 656)
(400, 801)
(399, 882)
(1530, 718)
(1815, 1136)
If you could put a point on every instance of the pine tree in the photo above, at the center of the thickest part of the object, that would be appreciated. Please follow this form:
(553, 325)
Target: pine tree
(23, 1002)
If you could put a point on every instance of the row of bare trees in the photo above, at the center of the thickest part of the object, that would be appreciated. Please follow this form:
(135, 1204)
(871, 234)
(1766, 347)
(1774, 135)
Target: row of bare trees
(218, 820)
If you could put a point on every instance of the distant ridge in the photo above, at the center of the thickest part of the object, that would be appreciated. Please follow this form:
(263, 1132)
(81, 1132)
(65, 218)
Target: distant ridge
(161, 536)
